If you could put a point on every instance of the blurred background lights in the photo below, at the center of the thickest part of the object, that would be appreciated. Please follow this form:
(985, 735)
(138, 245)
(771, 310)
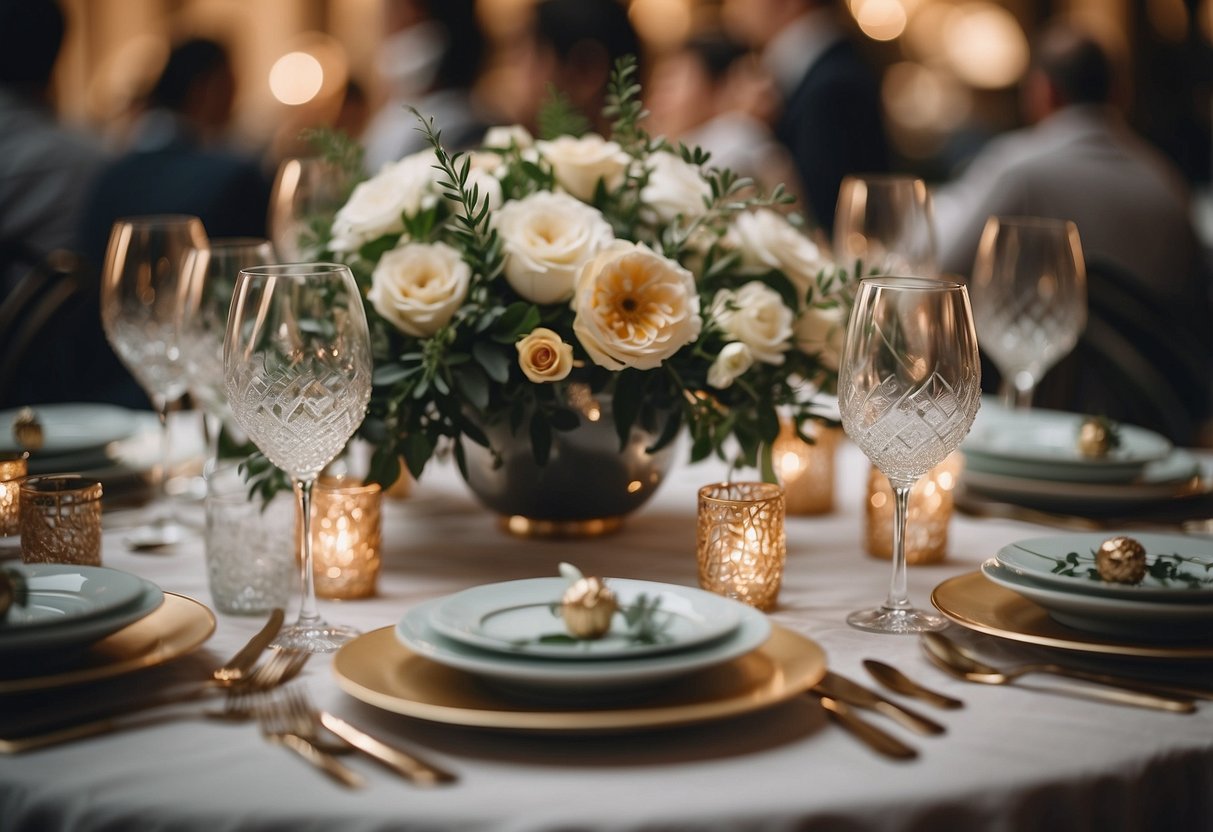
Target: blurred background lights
(880, 19)
(296, 78)
(663, 23)
(984, 45)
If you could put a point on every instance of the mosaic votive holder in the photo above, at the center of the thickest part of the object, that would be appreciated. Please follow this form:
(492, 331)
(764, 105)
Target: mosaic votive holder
(806, 470)
(927, 519)
(741, 545)
(345, 537)
(13, 468)
(61, 520)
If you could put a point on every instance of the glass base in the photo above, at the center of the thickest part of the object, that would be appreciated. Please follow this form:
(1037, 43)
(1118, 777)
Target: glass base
(158, 535)
(521, 526)
(315, 638)
(901, 621)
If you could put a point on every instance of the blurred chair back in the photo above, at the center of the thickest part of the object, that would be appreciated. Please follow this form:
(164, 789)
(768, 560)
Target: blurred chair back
(29, 316)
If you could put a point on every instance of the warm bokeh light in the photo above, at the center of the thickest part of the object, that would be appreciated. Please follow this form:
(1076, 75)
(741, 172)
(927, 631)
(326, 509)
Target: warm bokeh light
(985, 45)
(880, 19)
(663, 23)
(924, 32)
(921, 98)
(1169, 18)
(296, 78)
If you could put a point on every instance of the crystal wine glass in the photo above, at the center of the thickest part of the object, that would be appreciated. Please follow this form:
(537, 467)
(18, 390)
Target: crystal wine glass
(306, 189)
(908, 388)
(887, 224)
(1029, 298)
(148, 266)
(204, 321)
(297, 365)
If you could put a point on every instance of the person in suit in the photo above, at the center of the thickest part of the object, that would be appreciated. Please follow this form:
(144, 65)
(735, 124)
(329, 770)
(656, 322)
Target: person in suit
(831, 121)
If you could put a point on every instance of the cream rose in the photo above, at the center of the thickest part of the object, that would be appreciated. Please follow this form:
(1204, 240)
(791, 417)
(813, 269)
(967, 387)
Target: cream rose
(547, 237)
(634, 308)
(505, 136)
(767, 239)
(377, 206)
(418, 287)
(730, 364)
(674, 188)
(544, 356)
(820, 330)
(756, 315)
(581, 163)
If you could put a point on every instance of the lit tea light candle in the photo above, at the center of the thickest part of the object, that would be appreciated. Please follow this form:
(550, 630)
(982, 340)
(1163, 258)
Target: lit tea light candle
(927, 519)
(741, 545)
(61, 520)
(13, 468)
(346, 531)
(806, 470)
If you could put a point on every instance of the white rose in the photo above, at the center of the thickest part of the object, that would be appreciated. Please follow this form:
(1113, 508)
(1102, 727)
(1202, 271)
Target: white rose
(756, 315)
(377, 206)
(634, 308)
(674, 188)
(730, 365)
(765, 238)
(547, 238)
(581, 163)
(821, 330)
(503, 137)
(419, 286)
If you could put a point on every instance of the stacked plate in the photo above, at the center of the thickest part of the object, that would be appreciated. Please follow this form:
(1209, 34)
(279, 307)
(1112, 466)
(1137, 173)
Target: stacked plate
(75, 437)
(69, 607)
(499, 656)
(1173, 603)
(1031, 457)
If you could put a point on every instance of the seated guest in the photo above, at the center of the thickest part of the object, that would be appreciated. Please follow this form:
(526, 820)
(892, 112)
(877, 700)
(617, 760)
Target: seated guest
(1147, 286)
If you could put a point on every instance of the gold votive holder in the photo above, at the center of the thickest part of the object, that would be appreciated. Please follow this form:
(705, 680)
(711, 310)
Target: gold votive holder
(741, 545)
(61, 520)
(346, 530)
(13, 468)
(806, 470)
(927, 518)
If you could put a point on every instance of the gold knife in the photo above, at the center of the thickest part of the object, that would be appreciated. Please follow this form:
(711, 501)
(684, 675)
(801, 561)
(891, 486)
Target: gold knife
(410, 767)
(244, 660)
(873, 737)
(853, 693)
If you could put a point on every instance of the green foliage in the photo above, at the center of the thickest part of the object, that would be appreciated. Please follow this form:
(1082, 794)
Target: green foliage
(558, 117)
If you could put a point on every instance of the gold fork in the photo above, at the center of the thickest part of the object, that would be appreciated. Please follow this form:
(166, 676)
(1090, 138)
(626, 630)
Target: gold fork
(279, 724)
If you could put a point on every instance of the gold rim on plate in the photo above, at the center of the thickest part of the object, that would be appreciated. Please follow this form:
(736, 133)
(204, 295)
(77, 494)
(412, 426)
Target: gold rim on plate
(377, 669)
(176, 627)
(978, 604)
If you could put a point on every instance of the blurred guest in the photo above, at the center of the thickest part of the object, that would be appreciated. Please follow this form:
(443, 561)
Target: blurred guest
(43, 166)
(831, 121)
(1079, 161)
(712, 93)
(430, 60)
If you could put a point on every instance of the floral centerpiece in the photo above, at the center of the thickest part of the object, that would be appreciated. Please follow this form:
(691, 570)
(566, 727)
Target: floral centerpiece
(499, 280)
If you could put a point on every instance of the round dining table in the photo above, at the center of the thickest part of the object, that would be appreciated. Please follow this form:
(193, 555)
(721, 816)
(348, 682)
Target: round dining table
(1026, 756)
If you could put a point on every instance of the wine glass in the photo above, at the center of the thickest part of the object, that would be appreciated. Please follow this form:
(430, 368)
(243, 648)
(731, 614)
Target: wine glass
(204, 321)
(306, 190)
(1029, 298)
(886, 223)
(908, 388)
(297, 368)
(149, 265)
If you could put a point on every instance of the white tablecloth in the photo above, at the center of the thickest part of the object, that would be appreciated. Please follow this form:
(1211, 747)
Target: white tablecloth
(1014, 758)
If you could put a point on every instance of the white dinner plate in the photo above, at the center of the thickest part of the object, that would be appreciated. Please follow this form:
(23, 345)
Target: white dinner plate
(545, 675)
(61, 592)
(523, 618)
(1043, 444)
(83, 632)
(71, 428)
(1175, 477)
(1064, 562)
(1143, 620)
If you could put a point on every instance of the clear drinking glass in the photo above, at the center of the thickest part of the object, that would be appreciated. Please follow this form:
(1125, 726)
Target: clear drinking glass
(204, 321)
(149, 266)
(1029, 298)
(908, 388)
(297, 364)
(306, 191)
(887, 224)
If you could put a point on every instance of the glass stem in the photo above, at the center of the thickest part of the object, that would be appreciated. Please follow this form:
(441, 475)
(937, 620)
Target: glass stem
(898, 598)
(211, 425)
(1016, 391)
(308, 614)
(165, 512)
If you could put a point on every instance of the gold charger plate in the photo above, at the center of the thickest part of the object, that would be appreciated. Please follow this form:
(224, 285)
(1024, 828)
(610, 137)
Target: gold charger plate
(177, 626)
(982, 605)
(377, 669)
